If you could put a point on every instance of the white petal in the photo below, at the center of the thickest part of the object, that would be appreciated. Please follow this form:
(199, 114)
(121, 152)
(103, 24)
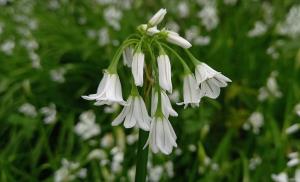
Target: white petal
(160, 140)
(167, 107)
(164, 68)
(138, 68)
(130, 120)
(209, 89)
(144, 119)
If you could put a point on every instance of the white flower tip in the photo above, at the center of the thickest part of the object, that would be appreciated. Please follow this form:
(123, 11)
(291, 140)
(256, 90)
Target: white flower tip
(157, 17)
(86, 97)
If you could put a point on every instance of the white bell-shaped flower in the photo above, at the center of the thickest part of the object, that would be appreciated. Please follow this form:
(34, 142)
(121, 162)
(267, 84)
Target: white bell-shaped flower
(167, 108)
(137, 68)
(191, 91)
(128, 56)
(162, 137)
(176, 39)
(210, 81)
(164, 72)
(133, 114)
(109, 90)
(157, 17)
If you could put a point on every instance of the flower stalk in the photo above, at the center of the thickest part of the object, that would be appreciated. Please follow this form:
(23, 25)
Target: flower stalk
(155, 128)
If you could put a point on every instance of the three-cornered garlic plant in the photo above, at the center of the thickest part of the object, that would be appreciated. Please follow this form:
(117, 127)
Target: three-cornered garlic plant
(146, 54)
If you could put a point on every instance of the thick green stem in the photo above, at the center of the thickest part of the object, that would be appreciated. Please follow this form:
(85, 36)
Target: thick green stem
(142, 157)
(142, 153)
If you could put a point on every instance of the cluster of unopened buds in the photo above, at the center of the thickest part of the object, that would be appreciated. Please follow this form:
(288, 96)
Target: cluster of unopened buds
(151, 41)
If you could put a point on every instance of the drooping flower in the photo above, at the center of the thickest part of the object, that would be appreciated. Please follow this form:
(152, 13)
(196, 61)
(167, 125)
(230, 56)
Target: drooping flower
(209, 80)
(109, 90)
(191, 91)
(137, 68)
(157, 17)
(134, 113)
(162, 136)
(165, 104)
(176, 39)
(164, 72)
(128, 56)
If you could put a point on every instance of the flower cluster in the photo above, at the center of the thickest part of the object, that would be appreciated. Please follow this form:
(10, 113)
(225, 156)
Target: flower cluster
(151, 41)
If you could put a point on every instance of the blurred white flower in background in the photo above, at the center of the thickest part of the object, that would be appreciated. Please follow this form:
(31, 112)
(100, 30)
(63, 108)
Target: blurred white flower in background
(35, 60)
(192, 35)
(69, 171)
(107, 141)
(183, 9)
(49, 113)
(271, 89)
(281, 177)
(259, 29)
(53, 4)
(132, 138)
(255, 121)
(169, 166)
(86, 128)
(178, 151)
(254, 162)
(7, 47)
(103, 36)
(4, 2)
(97, 154)
(112, 16)
(297, 109)
(117, 159)
(291, 25)
(192, 147)
(58, 75)
(273, 52)
(209, 17)
(293, 159)
(172, 25)
(155, 173)
(28, 110)
(292, 129)
(29, 44)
